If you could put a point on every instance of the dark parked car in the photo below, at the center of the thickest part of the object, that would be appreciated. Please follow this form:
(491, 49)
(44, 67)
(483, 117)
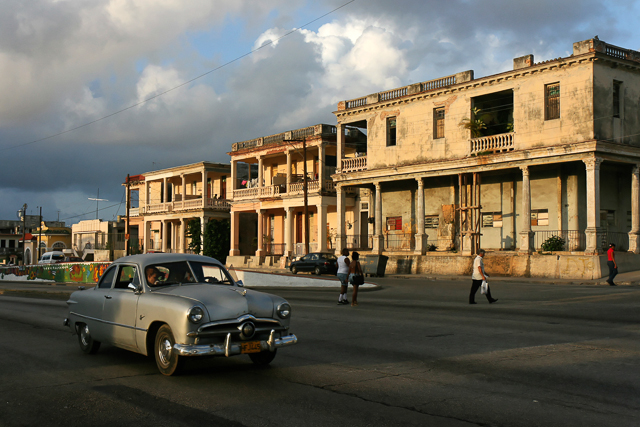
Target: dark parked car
(318, 262)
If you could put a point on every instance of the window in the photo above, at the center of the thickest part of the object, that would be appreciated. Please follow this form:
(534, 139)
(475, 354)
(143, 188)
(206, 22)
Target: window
(540, 217)
(438, 123)
(492, 219)
(607, 218)
(616, 98)
(391, 131)
(552, 101)
(394, 223)
(431, 221)
(364, 206)
(107, 278)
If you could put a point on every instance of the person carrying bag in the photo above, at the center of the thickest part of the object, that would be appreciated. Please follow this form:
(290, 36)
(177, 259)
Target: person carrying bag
(356, 277)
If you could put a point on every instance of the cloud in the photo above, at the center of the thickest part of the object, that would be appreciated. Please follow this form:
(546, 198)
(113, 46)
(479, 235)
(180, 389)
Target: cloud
(66, 64)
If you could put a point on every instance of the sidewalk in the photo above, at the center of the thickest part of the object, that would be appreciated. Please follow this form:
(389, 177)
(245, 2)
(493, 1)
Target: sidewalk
(63, 290)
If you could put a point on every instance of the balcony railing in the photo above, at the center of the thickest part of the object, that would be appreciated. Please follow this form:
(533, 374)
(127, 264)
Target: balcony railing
(206, 203)
(399, 242)
(493, 144)
(354, 164)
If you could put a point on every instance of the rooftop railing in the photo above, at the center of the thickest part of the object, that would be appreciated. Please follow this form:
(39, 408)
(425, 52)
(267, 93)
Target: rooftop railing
(309, 131)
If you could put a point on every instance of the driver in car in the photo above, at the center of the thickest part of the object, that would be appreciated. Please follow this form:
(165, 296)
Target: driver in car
(152, 274)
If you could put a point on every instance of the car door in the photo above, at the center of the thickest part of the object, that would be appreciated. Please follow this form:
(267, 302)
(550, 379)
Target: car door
(305, 263)
(120, 307)
(100, 330)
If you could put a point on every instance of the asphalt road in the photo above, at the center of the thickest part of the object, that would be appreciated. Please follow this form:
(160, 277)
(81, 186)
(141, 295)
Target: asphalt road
(413, 353)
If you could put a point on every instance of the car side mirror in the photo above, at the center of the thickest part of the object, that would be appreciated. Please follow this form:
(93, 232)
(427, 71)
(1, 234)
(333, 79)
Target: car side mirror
(133, 287)
(240, 284)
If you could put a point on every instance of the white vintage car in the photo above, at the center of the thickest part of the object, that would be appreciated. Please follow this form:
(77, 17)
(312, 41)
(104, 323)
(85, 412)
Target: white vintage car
(176, 306)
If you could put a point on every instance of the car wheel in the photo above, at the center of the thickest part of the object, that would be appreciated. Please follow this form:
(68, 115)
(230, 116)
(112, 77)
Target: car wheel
(168, 362)
(318, 271)
(263, 358)
(87, 344)
(294, 269)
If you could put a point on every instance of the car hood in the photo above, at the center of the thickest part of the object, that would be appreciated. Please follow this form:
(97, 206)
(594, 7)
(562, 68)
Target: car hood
(224, 302)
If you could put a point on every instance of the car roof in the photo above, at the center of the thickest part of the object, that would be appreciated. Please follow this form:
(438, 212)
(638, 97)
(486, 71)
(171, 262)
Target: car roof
(155, 258)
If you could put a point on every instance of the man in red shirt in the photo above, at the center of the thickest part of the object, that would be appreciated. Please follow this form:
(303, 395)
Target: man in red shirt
(611, 263)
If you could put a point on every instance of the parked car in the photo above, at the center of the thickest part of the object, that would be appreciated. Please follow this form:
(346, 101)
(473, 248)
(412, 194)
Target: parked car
(317, 262)
(72, 259)
(176, 306)
(52, 257)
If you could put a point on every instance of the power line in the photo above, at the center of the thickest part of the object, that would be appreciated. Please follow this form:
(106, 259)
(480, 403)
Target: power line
(270, 42)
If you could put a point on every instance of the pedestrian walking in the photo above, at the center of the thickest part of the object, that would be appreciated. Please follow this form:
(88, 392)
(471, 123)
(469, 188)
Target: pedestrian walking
(356, 277)
(343, 276)
(478, 275)
(611, 263)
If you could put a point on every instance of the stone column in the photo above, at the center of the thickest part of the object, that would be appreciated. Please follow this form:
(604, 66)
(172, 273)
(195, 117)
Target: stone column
(340, 146)
(260, 250)
(288, 231)
(321, 222)
(205, 188)
(260, 173)
(321, 150)
(526, 235)
(341, 200)
(146, 234)
(378, 236)
(593, 205)
(421, 237)
(180, 238)
(235, 234)
(288, 169)
(634, 234)
(165, 191)
(184, 189)
(234, 177)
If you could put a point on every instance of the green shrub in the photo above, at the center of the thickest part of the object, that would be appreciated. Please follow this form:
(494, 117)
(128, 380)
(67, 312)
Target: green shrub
(553, 243)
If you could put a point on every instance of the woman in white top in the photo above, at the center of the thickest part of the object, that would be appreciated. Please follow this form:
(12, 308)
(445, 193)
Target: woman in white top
(343, 276)
(477, 276)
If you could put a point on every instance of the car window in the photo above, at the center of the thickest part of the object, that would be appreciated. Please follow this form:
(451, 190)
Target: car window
(314, 257)
(169, 273)
(330, 257)
(127, 274)
(107, 278)
(211, 273)
(57, 257)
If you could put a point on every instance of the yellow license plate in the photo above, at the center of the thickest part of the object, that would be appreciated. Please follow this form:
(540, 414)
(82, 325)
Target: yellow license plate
(250, 347)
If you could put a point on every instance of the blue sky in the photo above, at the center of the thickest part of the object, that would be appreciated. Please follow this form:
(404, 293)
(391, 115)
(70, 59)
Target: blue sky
(66, 64)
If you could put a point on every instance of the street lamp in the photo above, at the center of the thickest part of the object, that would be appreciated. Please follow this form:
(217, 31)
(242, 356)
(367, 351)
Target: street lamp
(98, 200)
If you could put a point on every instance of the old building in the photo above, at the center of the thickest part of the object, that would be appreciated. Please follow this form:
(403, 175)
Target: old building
(504, 162)
(96, 240)
(268, 212)
(164, 201)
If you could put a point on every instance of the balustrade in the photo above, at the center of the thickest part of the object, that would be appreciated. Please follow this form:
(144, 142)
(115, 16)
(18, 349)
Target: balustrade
(354, 164)
(493, 144)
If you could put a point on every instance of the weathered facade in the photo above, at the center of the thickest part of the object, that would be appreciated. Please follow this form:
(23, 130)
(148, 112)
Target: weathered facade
(164, 201)
(504, 162)
(267, 212)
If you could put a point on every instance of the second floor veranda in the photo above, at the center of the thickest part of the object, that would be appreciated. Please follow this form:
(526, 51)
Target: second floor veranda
(207, 203)
(285, 190)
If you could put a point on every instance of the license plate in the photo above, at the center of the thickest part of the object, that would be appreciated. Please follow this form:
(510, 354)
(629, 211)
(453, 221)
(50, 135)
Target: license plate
(250, 347)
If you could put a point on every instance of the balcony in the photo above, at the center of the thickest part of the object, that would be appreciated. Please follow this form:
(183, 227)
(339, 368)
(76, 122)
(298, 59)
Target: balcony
(293, 189)
(354, 164)
(186, 205)
(492, 144)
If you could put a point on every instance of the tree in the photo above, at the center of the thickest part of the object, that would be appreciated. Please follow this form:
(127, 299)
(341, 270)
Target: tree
(217, 241)
(195, 236)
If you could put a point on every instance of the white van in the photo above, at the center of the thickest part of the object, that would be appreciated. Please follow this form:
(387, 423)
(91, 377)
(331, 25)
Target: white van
(52, 257)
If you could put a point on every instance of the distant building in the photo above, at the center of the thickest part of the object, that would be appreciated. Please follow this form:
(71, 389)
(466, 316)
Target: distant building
(96, 234)
(164, 201)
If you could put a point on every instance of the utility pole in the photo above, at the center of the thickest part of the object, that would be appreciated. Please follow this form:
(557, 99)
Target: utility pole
(126, 231)
(39, 232)
(304, 192)
(24, 231)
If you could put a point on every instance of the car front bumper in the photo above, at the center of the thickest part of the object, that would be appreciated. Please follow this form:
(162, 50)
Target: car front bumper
(232, 348)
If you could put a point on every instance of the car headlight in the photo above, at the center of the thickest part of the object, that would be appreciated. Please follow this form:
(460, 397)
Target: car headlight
(196, 314)
(284, 310)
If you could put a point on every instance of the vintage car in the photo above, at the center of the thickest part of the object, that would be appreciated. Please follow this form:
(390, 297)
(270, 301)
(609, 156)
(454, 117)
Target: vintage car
(175, 306)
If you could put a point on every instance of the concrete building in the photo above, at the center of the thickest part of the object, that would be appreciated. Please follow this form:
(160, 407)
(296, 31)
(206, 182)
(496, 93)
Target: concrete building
(164, 201)
(502, 162)
(98, 240)
(267, 213)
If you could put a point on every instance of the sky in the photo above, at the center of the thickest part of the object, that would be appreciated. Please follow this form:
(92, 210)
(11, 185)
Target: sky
(91, 91)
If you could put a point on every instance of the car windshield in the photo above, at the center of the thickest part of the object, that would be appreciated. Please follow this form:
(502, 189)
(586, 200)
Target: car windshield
(169, 273)
(211, 273)
(57, 257)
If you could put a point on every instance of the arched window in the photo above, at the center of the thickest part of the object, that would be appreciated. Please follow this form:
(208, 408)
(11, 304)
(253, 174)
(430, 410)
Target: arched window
(58, 246)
